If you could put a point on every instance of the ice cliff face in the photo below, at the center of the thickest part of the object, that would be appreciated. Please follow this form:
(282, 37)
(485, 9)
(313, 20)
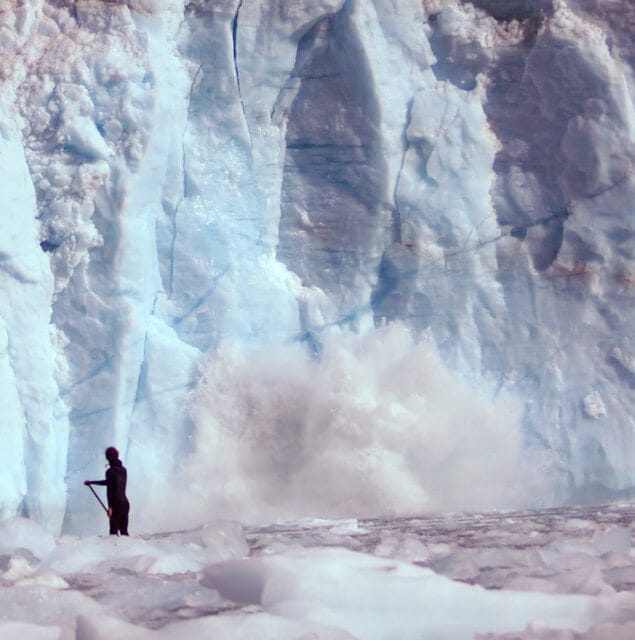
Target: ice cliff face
(183, 181)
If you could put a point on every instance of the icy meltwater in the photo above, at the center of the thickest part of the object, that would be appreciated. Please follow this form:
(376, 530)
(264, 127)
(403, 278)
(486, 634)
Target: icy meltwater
(565, 574)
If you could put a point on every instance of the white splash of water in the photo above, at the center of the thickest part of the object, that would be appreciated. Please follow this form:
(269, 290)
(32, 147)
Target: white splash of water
(376, 426)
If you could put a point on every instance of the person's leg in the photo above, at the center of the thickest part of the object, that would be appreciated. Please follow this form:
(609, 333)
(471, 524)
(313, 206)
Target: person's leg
(115, 522)
(123, 522)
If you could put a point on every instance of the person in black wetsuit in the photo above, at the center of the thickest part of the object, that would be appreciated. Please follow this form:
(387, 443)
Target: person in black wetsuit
(115, 483)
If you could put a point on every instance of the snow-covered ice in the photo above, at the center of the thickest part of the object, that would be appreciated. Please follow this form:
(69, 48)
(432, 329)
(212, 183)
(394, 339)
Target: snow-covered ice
(528, 575)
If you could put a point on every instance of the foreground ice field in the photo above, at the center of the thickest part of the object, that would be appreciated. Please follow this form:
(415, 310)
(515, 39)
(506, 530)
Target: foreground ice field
(553, 574)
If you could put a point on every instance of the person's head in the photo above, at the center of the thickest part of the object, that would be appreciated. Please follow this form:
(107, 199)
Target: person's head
(112, 454)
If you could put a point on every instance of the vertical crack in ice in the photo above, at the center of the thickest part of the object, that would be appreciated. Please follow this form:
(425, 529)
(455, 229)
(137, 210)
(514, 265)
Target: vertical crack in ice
(185, 187)
(235, 43)
(187, 123)
(396, 215)
(143, 366)
(30, 449)
(171, 212)
(236, 70)
(172, 249)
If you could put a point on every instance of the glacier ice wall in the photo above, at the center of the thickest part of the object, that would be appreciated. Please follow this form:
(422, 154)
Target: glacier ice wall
(181, 179)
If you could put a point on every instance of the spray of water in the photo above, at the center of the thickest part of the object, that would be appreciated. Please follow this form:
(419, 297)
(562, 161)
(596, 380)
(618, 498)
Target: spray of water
(377, 426)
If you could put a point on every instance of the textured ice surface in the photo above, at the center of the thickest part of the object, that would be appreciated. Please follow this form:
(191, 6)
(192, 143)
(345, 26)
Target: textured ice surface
(527, 575)
(20, 533)
(193, 190)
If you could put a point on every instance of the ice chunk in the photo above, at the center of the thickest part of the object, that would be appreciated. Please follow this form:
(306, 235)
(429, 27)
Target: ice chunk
(43, 605)
(593, 404)
(406, 547)
(42, 579)
(24, 631)
(81, 136)
(224, 539)
(256, 625)
(611, 632)
(616, 539)
(353, 591)
(458, 566)
(22, 533)
(238, 580)
(167, 554)
(16, 568)
(102, 627)
(620, 578)
(262, 626)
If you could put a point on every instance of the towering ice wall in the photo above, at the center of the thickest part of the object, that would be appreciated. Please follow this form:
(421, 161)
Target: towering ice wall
(215, 211)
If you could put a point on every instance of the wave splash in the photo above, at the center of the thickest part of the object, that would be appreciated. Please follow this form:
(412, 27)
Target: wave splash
(377, 426)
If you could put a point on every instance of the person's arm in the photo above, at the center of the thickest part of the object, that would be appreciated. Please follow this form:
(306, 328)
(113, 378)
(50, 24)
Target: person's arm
(110, 489)
(103, 483)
